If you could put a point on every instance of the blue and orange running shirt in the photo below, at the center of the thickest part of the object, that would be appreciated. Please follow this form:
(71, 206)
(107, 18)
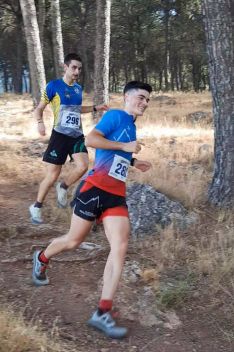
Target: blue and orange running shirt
(111, 166)
(66, 105)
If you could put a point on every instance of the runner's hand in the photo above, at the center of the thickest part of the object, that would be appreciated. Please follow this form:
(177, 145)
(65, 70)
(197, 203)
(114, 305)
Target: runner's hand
(132, 147)
(142, 165)
(41, 128)
(102, 107)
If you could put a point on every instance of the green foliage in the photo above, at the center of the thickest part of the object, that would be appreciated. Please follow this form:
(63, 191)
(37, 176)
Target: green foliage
(174, 294)
(159, 41)
(148, 34)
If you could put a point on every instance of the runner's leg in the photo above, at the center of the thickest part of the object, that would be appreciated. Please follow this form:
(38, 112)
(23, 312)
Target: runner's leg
(79, 228)
(117, 229)
(81, 166)
(52, 174)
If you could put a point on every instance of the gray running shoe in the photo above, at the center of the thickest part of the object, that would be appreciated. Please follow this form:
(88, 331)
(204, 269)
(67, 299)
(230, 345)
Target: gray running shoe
(106, 324)
(39, 271)
(61, 196)
(35, 215)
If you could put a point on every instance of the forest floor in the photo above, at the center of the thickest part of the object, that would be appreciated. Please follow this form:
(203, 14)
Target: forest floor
(200, 321)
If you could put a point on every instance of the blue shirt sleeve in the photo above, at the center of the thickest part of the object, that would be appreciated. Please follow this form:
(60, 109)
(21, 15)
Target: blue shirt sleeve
(50, 91)
(109, 122)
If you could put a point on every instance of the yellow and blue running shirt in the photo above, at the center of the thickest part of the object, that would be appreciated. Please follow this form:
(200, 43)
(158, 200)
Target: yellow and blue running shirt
(66, 105)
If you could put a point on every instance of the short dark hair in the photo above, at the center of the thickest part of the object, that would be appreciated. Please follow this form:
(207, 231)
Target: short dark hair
(72, 56)
(137, 85)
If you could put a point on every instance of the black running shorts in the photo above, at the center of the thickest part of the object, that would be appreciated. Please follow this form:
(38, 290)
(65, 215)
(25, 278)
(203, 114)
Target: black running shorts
(92, 203)
(60, 146)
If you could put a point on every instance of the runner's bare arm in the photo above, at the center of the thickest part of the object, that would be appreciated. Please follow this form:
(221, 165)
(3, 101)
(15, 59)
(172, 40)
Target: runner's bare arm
(142, 165)
(38, 115)
(95, 139)
(93, 108)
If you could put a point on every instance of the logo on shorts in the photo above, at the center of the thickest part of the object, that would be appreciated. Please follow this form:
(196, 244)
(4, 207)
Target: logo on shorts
(87, 213)
(53, 154)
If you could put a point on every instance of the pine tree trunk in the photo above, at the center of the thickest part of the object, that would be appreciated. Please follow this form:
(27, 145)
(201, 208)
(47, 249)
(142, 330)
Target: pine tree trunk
(220, 45)
(83, 44)
(102, 52)
(36, 65)
(18, 69)
(5, 77)
(41, 21)
(196, 74)
(17, 77)
(57, 37)
(167, 58)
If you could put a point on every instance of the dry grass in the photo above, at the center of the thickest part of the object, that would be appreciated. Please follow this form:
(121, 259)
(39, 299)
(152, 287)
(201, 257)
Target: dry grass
(179, 170)
(18, 336)
(215, 255)
(180, 266)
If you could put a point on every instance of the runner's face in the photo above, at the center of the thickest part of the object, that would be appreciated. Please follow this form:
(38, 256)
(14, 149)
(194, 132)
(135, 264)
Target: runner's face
(73, 70)
(136, 101)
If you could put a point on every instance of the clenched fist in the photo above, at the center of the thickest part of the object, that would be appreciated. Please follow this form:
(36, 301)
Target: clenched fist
(132, 147)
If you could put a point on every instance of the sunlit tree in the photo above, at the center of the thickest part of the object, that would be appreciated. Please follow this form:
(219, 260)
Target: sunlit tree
(218, 17)
(35, 58)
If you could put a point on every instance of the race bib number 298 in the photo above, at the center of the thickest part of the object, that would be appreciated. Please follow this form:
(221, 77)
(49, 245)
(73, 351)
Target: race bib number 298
(119, 168)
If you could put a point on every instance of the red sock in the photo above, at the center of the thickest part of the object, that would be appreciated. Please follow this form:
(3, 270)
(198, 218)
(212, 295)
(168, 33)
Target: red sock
(43, 258)
(105, 305)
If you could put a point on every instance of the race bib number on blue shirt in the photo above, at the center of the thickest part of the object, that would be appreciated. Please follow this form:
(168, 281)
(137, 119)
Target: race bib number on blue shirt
(119, 168)
(70, 119)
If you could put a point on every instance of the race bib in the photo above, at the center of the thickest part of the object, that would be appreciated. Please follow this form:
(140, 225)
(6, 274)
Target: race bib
(119, 168)
(70, 119)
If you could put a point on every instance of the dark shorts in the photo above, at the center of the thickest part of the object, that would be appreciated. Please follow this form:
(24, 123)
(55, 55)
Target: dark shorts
(60, 146)
(92, 203)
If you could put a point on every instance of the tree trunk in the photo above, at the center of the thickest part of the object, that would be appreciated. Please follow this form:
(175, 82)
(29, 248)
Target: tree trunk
(17, 77)
(41, 20)
(5, 77)
(18, 69)
(86, 69)
(173, 72)
(82, 46)
(102, 52)
(196, 74)
(180, 75)
(57, 37)
(36, 65)
(160, 79)
(166, 58)
(220, 46)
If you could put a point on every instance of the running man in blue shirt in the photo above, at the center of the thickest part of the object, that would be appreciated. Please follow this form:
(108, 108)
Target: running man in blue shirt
(101, 197)
(65, 97)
